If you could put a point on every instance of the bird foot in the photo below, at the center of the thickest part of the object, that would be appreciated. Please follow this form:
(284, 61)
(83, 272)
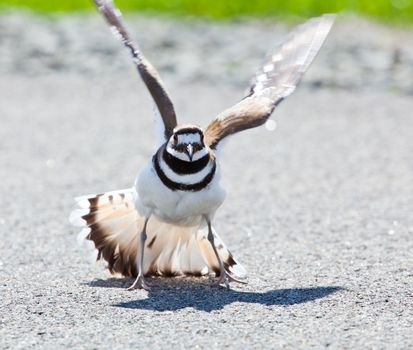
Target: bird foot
(139, 284)
(225, 278)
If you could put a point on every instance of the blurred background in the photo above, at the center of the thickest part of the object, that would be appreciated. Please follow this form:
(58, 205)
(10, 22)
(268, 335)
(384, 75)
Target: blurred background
(385, 10)
(372, 46)
(318, 209)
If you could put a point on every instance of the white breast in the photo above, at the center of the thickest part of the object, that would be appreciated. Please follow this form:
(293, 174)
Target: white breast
(181, 207)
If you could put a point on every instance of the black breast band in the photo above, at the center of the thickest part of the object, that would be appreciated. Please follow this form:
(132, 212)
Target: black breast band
(176, 186)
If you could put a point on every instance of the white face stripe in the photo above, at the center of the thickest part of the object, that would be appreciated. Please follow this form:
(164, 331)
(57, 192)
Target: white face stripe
(199, 154)
(189, 179)
(180, 155)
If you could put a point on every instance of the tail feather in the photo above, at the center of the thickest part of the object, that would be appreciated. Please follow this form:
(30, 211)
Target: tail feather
(113, 224)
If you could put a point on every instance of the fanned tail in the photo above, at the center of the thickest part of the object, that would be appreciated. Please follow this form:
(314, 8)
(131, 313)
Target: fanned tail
(112, 222)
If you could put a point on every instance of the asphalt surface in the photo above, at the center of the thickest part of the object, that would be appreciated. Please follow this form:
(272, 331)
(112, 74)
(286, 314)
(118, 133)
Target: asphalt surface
(318, 210)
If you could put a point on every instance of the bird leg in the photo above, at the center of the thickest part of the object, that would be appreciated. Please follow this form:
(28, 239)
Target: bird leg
(224, 276)
(140, 280)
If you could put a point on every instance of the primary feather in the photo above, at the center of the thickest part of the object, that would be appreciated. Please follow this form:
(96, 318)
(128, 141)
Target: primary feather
(146, 70)
(277, 79)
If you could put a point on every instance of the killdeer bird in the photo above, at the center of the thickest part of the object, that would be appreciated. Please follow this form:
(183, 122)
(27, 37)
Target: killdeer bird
(163, 224)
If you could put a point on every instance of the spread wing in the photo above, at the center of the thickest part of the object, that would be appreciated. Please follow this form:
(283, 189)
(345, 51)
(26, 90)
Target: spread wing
(277, 79)
(146, 70)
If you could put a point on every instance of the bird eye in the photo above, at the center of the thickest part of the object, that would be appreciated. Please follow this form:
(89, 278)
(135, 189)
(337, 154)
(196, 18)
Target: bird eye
(197, 147)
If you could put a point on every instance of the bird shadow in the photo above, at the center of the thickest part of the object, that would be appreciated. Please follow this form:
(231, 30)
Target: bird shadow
(176, 294)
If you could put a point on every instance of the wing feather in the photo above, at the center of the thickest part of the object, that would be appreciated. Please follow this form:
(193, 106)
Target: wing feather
(277, 79)
(147, 72)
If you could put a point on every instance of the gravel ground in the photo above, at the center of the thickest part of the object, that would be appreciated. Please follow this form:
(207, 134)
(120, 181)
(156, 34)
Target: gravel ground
(321, 218)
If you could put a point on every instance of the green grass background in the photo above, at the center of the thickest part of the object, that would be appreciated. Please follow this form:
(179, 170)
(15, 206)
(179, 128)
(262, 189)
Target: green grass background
(386, 10)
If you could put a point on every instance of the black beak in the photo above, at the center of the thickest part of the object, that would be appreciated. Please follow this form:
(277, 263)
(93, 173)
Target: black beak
(189, 151)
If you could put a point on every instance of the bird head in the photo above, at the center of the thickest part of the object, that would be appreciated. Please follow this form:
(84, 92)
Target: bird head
(187, 143)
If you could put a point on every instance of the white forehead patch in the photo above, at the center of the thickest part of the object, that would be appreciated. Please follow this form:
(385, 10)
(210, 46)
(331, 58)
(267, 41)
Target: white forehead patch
(189, 138)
